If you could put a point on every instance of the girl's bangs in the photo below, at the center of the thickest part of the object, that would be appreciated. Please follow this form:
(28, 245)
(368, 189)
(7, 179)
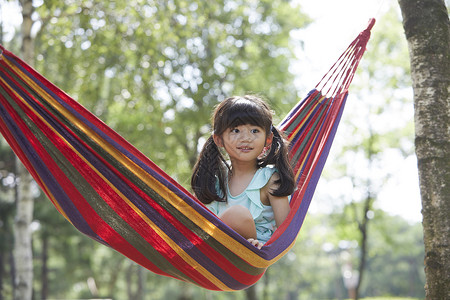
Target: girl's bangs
(246, 113)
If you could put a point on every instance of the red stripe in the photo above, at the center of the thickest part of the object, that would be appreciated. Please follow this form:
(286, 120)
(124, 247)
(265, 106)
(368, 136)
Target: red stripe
(304, 134)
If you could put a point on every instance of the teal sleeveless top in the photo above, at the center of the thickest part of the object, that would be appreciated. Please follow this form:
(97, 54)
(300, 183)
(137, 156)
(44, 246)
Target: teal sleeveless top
(250, 198)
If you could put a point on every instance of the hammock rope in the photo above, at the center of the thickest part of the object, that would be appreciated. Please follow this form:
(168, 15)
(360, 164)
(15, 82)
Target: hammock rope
(117, 196)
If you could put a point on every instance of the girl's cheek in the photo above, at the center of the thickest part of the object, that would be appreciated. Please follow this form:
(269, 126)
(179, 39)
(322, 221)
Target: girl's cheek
(234, 137)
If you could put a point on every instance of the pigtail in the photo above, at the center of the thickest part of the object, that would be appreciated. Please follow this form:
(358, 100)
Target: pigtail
(278, 156)
(209, 168)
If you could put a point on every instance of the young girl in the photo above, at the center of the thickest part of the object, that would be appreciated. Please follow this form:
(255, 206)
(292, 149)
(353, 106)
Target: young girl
(250, 194)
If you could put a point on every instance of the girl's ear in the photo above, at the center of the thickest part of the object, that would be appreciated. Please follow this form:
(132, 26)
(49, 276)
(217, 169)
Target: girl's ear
(217, 140)
(269, 139)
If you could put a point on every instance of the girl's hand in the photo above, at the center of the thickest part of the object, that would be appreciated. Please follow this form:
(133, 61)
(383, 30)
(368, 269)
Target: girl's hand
(255, 243)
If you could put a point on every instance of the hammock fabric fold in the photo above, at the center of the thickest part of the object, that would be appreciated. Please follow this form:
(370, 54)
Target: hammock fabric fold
(114, 194)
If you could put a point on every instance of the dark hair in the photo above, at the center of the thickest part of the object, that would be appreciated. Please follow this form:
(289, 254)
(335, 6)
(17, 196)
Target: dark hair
(211, 167)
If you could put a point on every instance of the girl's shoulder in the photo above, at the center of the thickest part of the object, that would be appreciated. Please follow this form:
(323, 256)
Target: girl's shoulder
(268, 170)
(262, 177)
(271, 175)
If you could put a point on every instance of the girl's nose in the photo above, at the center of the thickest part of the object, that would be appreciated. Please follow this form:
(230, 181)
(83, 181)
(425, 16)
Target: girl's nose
(246, 136)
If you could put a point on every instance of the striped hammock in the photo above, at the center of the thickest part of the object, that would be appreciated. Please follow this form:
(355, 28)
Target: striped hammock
(114, 194)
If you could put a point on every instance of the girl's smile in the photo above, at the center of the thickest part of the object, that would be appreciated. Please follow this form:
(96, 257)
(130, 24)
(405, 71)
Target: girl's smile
(245, 148)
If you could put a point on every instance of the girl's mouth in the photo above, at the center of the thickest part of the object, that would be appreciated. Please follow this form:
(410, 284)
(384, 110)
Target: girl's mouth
(245, 148)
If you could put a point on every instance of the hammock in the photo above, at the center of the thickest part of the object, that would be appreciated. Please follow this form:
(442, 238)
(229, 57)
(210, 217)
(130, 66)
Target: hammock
(115, 195)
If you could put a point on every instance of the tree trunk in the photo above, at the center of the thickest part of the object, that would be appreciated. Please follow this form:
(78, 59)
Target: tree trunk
(23, 257)
(186, 291)
(363, 229)
(251, 293)
(112, 284)
(2, 271)
(129, 277)
(363, 224)
(44, 270)
(12, 269)
(427, 30)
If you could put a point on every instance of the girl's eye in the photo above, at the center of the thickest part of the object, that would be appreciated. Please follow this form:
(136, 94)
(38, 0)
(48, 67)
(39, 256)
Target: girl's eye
(255, 130)
(235, 130)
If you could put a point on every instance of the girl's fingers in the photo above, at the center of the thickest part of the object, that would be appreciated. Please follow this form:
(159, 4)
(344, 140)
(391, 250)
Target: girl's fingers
(255, 243)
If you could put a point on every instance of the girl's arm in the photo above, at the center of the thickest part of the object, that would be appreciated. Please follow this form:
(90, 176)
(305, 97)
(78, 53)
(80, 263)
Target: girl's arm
(280, 205)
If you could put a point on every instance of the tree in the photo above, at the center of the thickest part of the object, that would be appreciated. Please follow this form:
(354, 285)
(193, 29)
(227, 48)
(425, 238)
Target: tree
(23, 256)
(427, 30)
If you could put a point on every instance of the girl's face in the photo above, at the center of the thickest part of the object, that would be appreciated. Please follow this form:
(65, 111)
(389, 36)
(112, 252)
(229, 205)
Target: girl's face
(243, 143)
